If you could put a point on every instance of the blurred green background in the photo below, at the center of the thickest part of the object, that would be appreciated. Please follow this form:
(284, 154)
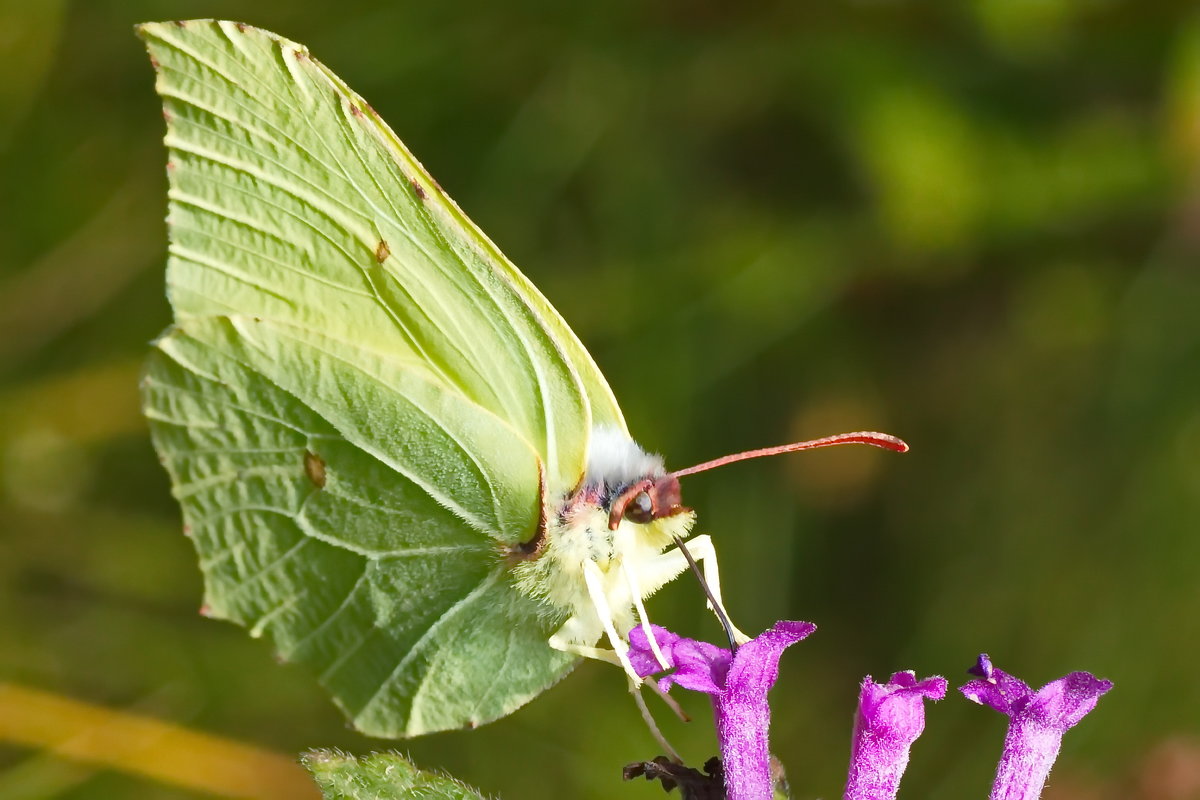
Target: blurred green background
(972, 224)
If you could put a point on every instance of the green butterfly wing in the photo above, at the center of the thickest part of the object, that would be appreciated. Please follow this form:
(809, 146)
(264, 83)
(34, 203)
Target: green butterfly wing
(359, 396)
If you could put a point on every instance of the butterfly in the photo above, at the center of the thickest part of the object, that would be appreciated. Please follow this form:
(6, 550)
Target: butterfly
(393, 456)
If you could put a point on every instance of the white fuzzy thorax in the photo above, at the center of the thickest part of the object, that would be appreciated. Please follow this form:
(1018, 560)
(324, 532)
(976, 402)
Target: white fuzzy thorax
(590, 576)
(616, 460)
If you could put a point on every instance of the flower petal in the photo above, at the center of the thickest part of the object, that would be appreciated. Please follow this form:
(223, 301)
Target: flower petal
(756, 663)
(738, 684)
(890, 718)
(1037, 722)
(1061, 704)
(996, 688)
(699, 666)
(743, 715)
(642, 657)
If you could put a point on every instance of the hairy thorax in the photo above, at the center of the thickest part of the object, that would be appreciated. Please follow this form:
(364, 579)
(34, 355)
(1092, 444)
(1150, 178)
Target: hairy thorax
(579, 529)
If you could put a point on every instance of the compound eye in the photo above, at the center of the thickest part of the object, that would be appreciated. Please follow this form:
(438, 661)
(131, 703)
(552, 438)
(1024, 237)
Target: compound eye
(640, 508)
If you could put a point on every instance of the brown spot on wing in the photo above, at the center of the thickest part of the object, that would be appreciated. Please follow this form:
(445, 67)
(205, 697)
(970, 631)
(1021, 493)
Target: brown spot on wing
(314, 468)
(418, 189)
(241, 26)
(355, 110)
(382, 251)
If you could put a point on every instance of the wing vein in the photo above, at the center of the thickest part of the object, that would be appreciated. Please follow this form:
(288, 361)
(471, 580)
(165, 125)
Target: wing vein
(426, 637)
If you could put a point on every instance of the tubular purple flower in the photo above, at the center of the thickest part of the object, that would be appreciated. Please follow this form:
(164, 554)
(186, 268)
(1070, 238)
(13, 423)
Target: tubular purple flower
(738, 684)
(1037, 722)
(890, 718)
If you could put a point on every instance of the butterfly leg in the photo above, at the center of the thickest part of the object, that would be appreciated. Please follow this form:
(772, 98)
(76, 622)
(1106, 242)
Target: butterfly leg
(635, 592)
(671, 563)
(648, 718)
(559, 642)
(573, 628)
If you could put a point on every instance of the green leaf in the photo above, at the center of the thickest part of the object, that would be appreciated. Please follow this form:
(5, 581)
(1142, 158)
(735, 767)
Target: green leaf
(360, 398)
(380, 776)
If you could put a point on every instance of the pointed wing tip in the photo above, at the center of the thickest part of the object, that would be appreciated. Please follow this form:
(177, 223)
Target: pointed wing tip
(153, 34)
(157, 30)
(148, 30)
(158, 34)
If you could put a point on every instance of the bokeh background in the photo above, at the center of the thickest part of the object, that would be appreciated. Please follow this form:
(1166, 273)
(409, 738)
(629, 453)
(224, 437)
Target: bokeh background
(973, 224)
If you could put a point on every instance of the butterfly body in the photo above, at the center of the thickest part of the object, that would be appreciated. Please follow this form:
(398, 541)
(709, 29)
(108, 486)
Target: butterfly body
(580, 536)
(602, 551)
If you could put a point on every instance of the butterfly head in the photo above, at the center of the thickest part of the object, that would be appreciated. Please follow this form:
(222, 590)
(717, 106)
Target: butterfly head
(631, 483)
(647, 500)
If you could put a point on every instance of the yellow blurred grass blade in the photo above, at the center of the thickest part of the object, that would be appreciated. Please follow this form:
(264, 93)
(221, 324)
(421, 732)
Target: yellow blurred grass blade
(148, 747)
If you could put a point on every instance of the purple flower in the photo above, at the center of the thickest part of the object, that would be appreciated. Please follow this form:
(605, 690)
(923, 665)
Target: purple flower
(738, 683)
(890, 718)
(1037, 722)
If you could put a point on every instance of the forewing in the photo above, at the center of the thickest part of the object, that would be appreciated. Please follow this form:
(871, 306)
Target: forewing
(291, 200)
(602, 402)
(337, 507)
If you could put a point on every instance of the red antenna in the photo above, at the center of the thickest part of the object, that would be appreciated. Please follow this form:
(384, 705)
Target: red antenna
(884, 440)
